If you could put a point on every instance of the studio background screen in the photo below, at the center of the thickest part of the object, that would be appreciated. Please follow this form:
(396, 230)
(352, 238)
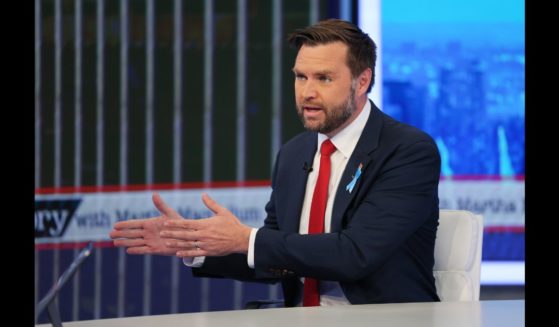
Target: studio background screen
(456, 70)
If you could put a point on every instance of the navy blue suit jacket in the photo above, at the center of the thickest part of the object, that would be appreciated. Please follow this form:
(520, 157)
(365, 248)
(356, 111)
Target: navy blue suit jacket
(380, 248)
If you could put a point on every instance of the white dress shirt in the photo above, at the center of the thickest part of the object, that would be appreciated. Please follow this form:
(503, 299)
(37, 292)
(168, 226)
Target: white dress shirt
(345, 142)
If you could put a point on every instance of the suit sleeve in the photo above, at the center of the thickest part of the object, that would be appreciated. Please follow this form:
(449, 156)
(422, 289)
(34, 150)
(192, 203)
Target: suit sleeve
(235, 266)
(391, 207)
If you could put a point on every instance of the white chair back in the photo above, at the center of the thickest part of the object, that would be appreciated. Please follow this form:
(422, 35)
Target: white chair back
(458, 255)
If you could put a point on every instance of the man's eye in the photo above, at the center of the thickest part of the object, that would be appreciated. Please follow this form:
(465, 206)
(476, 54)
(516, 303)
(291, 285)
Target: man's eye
(325, 79)
(300, 77)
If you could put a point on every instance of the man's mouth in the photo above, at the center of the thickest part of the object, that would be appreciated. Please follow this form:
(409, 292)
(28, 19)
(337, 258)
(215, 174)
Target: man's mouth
(312, 108)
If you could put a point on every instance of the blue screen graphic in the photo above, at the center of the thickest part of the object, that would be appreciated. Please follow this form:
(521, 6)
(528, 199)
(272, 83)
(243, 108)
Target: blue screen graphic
(456, 70)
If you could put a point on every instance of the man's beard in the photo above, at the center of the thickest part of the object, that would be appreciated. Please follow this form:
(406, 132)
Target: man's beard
(335, 116)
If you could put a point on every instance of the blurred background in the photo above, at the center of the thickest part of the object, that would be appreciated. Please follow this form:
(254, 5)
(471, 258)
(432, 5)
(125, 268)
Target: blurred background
(181, 97)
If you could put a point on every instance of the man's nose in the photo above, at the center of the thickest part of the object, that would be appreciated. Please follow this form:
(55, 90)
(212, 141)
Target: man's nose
(309, 90)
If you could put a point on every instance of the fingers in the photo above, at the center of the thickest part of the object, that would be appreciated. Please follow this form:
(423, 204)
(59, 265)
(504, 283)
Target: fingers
(129, 242)
(130, 224)
(126, 233)
(212, 204)
(179, 244)
(139, 250)
(163, 207)
(183, 235)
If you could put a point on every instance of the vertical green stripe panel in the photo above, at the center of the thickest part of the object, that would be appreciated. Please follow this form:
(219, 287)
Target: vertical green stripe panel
(67, 96)
(89, 111)
(88, 94)
(68, 113)
(225, 92)
(137, 94)
(163, 106)
(47, 95)
(193, 90)
(111, 146)
(111, 139)
(259, 70)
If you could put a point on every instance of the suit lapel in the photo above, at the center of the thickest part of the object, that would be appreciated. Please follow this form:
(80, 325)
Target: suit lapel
(298, 181)
(367, 143)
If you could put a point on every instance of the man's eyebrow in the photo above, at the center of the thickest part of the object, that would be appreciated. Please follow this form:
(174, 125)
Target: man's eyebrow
(323, 72)
(317, 73)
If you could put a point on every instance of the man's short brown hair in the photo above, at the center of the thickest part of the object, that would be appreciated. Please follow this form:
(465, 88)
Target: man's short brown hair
(362, 49)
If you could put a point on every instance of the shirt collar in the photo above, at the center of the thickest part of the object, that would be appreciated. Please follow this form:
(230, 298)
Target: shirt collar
(346, 140)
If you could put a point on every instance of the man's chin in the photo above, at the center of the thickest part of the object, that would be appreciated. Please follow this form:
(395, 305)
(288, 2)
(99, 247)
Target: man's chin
(312, 125)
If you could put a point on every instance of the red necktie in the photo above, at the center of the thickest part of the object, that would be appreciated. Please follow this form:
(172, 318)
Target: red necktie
(311, 297)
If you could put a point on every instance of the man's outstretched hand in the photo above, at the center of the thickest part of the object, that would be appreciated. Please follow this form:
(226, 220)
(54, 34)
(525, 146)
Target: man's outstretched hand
(218, 235)
(171, 234)
(142, 236)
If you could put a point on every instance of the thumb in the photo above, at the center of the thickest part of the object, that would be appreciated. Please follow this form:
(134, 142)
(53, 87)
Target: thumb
(163, 207)
(212, 204)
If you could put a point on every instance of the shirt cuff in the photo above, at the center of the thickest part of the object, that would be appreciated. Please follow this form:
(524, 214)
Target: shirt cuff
(250, 255)
(193, 262)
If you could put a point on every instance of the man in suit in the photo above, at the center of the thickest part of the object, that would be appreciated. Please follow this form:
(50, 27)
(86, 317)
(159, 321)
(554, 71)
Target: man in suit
(353, 212)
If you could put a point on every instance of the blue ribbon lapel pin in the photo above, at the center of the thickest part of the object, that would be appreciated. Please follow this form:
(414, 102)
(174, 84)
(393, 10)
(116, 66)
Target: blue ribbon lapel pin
(351, 184)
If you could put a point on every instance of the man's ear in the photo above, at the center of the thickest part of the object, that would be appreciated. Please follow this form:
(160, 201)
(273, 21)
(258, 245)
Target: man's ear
(363, 81)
